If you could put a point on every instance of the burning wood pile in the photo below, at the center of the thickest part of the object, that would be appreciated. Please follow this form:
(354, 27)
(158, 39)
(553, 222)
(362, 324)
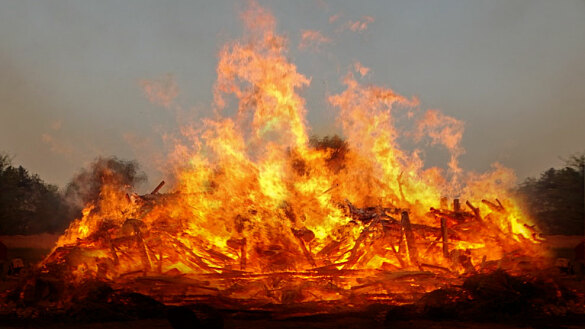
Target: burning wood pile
(389, 257)
(263, 215)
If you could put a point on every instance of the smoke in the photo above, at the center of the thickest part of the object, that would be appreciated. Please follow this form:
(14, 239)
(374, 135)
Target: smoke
(86, 185)
(445, 130)
(162, 91)
(360, 25)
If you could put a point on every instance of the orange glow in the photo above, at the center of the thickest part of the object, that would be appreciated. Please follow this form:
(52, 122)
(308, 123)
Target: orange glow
(312, 39)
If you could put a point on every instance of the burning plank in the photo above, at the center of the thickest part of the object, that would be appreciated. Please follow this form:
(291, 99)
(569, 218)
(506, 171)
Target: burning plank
(410, 241)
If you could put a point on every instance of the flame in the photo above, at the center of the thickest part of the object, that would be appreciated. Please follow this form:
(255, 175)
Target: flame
(360, 25)
(161, 92)
(255, 195)
(311, 39)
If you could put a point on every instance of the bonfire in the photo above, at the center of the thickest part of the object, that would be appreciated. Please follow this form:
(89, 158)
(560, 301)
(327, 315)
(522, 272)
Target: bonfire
(262, 214)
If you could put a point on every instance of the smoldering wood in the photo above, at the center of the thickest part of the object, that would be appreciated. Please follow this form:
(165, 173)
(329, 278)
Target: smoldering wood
(409, 235)
(432, 267)
(456, 217)
(243, 256)
(113, 253)
(445, 238)
(329, 249)
(355, 252)
(397, 255)
(331, 266)
(191, 255)
(160, 261)
(456, 206)
(444, 203)
(476, 213)
(218, 256)
(239, 245)
(495, 207)
(301, 236)
(365, 215)
(143, 253)
(432, 244)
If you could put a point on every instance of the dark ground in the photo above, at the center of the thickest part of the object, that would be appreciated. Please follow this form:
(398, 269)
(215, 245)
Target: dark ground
(340, 322)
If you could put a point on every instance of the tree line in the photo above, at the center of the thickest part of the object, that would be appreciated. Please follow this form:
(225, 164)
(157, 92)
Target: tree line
(28, 205)
(556, 200)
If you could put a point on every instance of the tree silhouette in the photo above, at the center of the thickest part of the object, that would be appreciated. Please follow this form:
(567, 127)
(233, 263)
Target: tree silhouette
(557, 199)
(27, 204)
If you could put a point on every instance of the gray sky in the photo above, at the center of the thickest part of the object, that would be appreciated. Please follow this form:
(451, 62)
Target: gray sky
(70, 73)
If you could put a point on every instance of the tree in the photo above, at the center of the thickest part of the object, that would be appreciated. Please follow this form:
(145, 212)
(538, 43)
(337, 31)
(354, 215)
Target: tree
(27, 204)
(557, 199)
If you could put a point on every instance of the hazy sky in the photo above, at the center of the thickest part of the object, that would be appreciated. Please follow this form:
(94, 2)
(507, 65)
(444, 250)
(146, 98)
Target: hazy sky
(70, 72)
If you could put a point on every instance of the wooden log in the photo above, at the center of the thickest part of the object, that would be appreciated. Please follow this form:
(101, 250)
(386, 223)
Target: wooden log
(495, 207)
(397, 255)
(405, 275)
(475, 212)
(158, 187)
(218, 256)
(301, 235)
(243, 255)
(331, 268)
(160, 261)
(136, 226)
(240, 245)
(355, 253)
(304, 234)
(425, 229)
(445, 238)
(330, 189)
(409, 235)
(465, 261)
(330, 248)
(432, 244)
(456, 205)
(363, 215)
(144, 256)
(435, 268)
(191, 255)
(457, 217)
(444, 201)
(113, 251)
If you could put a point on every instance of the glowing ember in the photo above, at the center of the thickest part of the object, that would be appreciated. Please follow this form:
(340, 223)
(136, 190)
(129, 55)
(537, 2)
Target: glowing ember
(261, 212)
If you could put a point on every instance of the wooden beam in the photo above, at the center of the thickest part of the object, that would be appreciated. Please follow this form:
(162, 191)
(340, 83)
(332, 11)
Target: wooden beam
(445, 238)
(158, 187)
(409, 235)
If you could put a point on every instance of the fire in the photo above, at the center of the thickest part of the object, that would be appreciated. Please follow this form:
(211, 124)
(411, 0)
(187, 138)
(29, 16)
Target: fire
(261, 211)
